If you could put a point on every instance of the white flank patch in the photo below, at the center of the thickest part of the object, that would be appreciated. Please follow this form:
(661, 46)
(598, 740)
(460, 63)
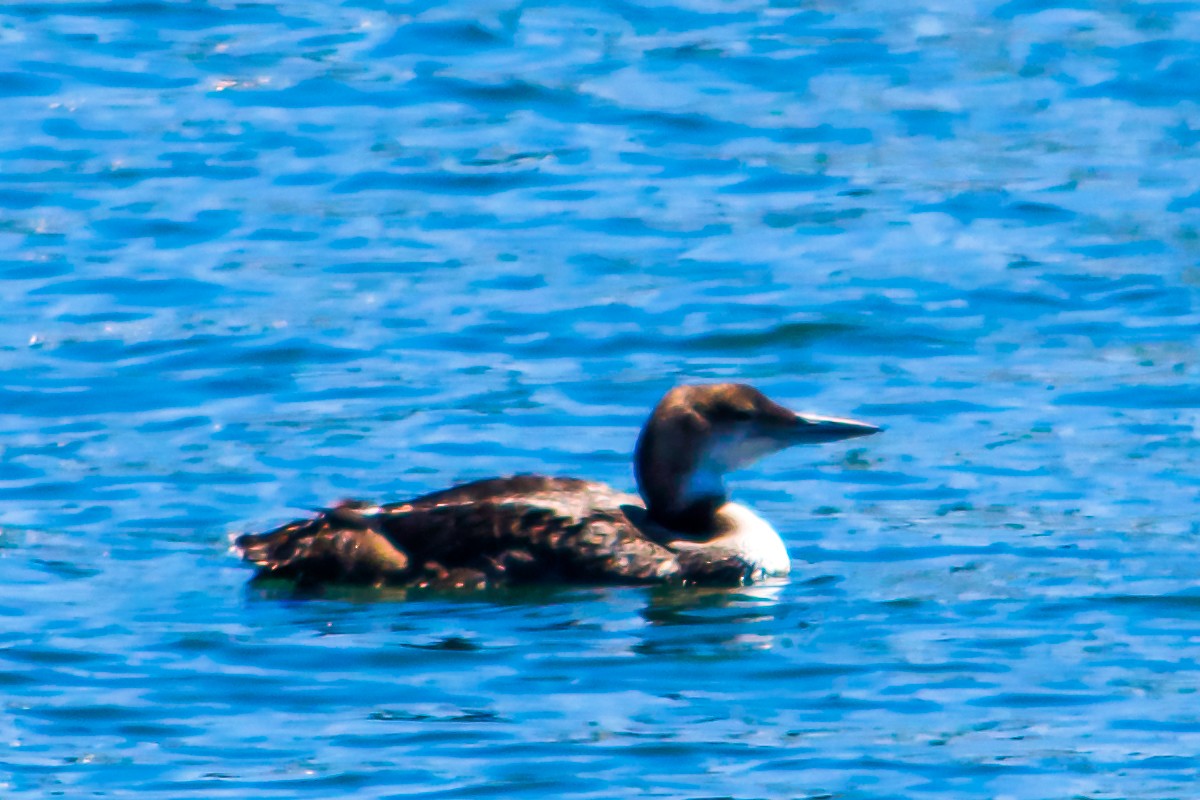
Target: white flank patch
(748, 535)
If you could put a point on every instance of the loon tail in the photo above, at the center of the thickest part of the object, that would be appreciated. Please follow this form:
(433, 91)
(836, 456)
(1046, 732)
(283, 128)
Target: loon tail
(339, 545)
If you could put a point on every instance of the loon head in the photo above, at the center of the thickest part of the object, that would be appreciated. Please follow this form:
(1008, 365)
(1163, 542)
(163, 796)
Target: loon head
(698, 433)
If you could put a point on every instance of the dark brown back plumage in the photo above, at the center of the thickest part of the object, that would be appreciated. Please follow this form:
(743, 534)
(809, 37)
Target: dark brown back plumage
(493, 532)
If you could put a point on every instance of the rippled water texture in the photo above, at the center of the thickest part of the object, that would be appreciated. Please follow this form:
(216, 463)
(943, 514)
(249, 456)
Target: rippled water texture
(255, 257)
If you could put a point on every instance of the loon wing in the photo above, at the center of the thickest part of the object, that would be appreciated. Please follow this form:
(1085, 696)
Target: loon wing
(498, 531)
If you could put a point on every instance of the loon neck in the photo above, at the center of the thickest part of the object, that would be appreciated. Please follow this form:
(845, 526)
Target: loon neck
(685, 500)
(697, 516)
(681, 488)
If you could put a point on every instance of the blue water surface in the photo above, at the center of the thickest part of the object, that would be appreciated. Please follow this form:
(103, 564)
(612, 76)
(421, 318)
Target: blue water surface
(256, 257)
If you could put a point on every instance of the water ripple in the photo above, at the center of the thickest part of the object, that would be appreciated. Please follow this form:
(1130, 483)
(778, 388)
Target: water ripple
(259, 257)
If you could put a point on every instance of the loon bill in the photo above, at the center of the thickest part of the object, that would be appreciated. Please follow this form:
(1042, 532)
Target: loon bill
(531, 528)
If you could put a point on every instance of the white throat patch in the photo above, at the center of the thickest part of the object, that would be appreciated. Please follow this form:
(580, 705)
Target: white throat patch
(725, 453)
(737, 449)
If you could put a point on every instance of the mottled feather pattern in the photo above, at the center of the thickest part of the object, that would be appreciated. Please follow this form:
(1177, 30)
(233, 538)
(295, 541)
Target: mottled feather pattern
(493, 532)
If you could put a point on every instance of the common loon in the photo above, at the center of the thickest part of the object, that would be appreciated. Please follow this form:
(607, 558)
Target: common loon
(531, 528)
